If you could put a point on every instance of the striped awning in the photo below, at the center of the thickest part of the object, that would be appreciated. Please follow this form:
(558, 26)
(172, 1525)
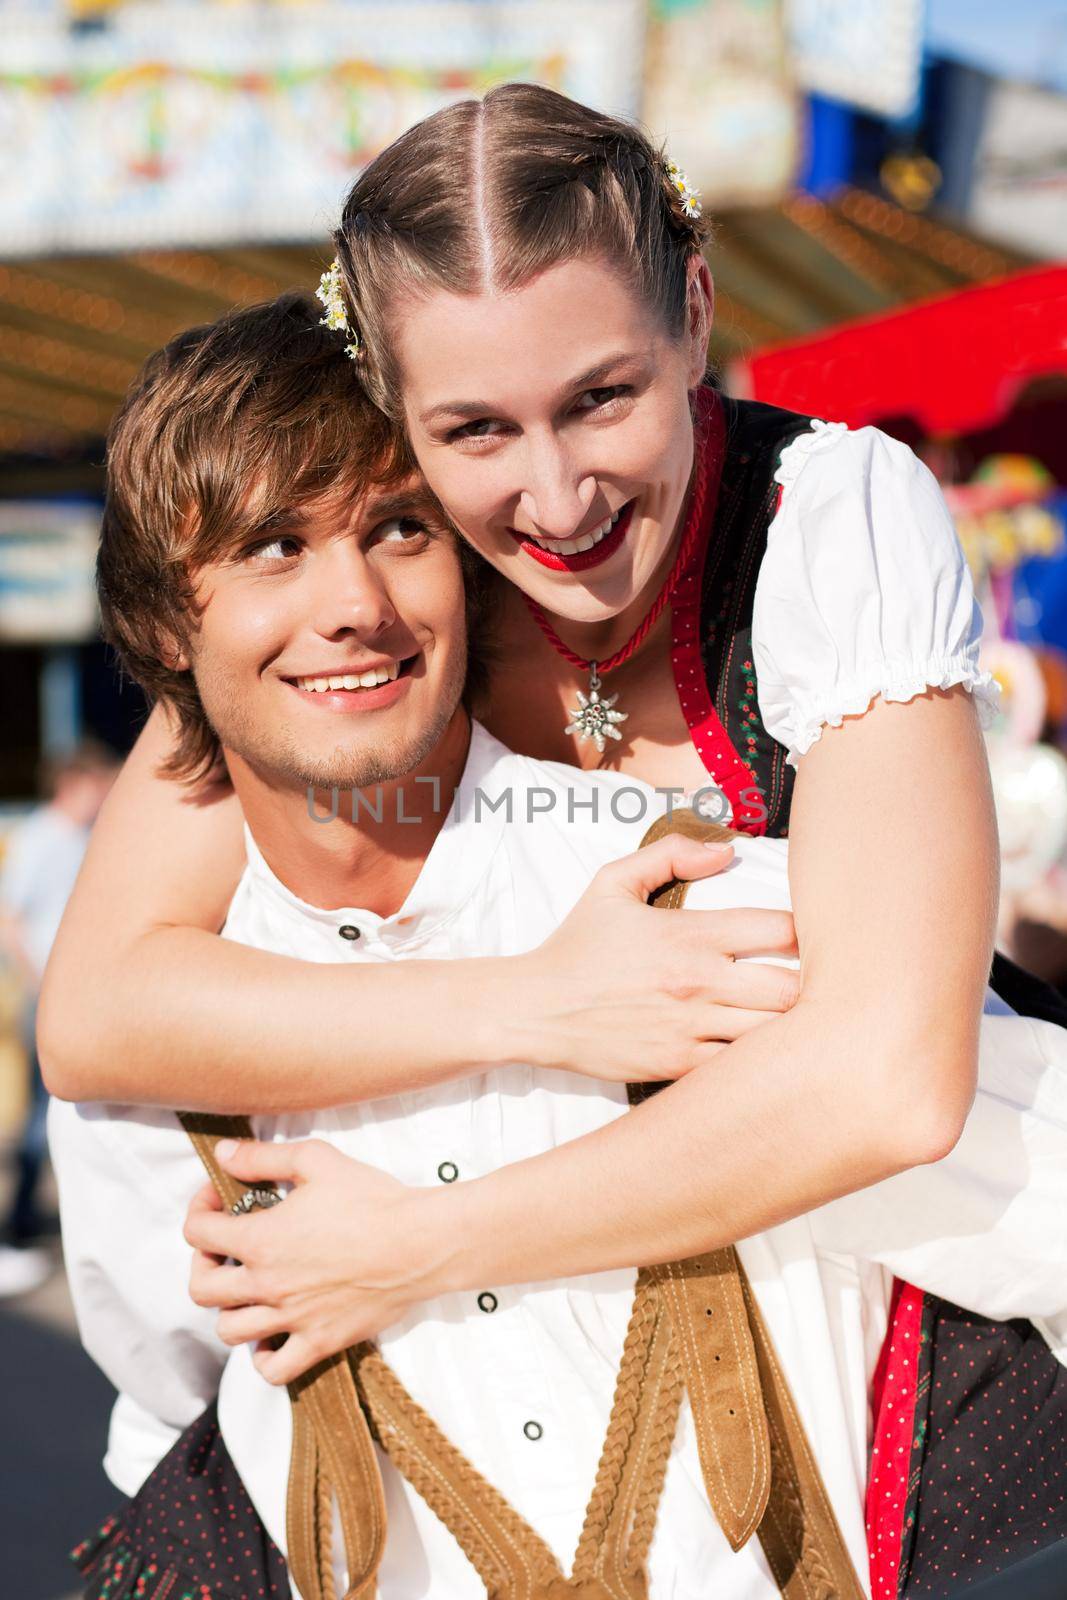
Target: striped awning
(75, 329)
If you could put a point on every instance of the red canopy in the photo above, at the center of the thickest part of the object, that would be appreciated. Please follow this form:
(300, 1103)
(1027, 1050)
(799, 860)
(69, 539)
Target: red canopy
(955, 364)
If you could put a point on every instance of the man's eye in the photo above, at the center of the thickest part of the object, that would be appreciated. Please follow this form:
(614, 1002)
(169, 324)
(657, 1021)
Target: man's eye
(279, 549)
(402, 530)
(593, 399)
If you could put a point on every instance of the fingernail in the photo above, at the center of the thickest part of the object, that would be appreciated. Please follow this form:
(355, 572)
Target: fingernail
(225, 1149)
(713, 844)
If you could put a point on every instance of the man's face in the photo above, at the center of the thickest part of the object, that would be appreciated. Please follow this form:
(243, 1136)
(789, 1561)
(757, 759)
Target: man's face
(331, 650)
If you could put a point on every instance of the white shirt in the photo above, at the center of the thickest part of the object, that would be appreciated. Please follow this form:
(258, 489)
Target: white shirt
(548, 1353)
(41, 862)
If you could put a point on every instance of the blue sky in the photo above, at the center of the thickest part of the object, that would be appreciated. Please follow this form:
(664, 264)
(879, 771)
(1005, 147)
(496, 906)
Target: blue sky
(1024, 39)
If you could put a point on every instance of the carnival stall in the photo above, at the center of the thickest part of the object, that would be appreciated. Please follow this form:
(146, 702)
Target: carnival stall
(976, 383)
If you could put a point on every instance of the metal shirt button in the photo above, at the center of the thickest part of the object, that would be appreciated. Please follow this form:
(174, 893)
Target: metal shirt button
(347, 931)
(487, 1300)
(532, 1430)
(448, 1172)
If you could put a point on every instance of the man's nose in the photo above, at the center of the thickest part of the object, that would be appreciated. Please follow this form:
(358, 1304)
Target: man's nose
(350, 595)
(558, 492)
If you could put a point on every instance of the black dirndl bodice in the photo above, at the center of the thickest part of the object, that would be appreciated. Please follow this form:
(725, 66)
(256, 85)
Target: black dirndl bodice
(987, 1475)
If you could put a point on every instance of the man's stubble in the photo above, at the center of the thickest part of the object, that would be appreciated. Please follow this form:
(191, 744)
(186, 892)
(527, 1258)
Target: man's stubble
(277, 758)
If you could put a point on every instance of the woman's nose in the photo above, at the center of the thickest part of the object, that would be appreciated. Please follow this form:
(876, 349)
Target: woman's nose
(558, 493)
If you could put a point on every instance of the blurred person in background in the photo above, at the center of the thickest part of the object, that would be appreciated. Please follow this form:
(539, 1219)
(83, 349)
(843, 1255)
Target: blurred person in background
(39, 867)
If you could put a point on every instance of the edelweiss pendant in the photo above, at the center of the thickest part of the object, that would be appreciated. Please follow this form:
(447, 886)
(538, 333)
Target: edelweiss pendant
(593, 718)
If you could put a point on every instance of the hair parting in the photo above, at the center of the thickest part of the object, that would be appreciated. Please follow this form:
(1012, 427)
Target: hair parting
(484, 195)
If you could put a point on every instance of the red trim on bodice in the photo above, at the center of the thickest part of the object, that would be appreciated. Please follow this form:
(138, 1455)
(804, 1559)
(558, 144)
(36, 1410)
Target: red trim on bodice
(711, 740)
(894, 1392)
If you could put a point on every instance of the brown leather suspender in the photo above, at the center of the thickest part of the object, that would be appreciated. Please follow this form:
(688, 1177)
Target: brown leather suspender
(695, 1326)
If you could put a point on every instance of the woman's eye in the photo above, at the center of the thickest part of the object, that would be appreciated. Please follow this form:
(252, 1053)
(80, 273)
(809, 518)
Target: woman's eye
(593, 399)
(402, 530)
(482, 428)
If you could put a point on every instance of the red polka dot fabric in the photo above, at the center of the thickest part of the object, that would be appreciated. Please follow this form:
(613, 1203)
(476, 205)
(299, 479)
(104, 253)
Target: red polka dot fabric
(191, 1533)
(993, 1423)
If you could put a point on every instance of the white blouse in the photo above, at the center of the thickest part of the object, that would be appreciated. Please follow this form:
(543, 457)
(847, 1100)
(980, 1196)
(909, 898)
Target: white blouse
(863, 590)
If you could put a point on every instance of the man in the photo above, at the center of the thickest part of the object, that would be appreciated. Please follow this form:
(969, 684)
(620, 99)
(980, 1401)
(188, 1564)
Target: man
(307, 579)
(40, 865)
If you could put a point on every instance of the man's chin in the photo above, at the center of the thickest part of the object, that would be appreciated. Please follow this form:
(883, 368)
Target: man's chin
(346, 766)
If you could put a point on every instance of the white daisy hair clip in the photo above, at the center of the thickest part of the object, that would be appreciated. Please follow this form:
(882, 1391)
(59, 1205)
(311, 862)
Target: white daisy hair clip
(689, 196)
(331, 294)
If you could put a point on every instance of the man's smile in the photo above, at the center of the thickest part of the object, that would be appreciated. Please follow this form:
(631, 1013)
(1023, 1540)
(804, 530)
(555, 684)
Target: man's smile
(369, 689)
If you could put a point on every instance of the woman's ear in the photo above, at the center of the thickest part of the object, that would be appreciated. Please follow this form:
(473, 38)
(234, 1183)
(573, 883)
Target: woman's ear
(701, 315)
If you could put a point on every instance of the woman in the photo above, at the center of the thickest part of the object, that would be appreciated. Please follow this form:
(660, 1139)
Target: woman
(524, 292)
(627, 279)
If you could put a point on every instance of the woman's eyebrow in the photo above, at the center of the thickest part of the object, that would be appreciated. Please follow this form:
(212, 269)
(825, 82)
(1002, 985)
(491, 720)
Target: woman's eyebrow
(604, 369)
(589, 379)
(456, 408)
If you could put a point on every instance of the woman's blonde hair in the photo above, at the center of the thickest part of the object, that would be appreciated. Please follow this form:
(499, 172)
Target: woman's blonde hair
(487, 193)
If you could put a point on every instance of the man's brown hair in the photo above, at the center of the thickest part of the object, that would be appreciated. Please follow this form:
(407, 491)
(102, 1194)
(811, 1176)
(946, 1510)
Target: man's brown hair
(227, 426)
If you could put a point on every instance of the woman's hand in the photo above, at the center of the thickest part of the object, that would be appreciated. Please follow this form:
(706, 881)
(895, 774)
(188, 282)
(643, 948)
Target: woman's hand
(344, 1256)
(622, 992)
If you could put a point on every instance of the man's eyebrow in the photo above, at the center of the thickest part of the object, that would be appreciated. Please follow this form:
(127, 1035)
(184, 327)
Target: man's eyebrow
(473, 409)
(399, 503)
(283, 519)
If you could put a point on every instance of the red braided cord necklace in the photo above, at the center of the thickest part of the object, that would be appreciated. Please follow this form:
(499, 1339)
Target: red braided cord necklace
(595, 717)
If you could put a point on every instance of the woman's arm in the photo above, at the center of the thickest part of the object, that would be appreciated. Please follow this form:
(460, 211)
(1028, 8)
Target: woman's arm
(894, 882)
(893, 868)
(145, 1004)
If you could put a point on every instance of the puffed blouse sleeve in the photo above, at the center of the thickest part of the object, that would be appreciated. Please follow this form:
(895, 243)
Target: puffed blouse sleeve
(863, 589)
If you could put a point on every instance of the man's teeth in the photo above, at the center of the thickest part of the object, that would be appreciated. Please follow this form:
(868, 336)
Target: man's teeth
(572, 547)
(351, 680)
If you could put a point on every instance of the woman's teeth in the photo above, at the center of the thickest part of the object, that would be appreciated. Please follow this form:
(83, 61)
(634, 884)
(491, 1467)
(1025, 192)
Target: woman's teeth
(351, 680)
(572, 547)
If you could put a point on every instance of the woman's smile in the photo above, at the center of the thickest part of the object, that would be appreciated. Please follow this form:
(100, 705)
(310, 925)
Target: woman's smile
(581, 553)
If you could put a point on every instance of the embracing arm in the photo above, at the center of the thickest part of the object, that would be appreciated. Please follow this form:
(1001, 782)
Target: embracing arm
(893, 873)
(145, 1004)
(872, 1071)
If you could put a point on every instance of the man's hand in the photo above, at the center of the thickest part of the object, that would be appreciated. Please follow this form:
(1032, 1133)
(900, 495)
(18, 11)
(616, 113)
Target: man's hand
(344, 1256)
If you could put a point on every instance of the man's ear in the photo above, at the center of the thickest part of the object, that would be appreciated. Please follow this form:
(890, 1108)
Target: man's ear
(700, 310)
(173, 653)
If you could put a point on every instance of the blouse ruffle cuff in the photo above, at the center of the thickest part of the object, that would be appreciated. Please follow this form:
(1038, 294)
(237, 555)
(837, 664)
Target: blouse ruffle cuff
(852, 697)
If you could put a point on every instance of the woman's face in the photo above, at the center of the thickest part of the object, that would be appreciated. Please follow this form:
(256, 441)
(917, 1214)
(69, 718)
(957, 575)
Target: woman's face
(553, 423)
